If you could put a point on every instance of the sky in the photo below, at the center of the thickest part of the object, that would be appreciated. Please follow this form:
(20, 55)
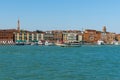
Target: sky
(60, 14)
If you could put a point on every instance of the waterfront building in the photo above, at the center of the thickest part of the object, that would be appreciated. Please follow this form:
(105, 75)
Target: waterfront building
(117, 38)
(22, 36)
(42, 36)
(28, 36)
(91, 36)
(80, 37)
(36, 36)
(98, 36)
(7, 36)
(70, 36)
(48, 36)
(108, 37)
(57, 35)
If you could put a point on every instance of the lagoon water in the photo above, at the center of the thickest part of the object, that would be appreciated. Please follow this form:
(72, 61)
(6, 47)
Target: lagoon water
(58, 63)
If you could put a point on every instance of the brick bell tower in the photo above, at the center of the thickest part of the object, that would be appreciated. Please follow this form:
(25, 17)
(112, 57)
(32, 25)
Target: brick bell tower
(104, 29)
(18, 25)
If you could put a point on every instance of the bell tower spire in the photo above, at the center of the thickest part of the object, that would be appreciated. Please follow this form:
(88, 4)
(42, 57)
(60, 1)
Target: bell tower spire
(104, 29)
(18, 25)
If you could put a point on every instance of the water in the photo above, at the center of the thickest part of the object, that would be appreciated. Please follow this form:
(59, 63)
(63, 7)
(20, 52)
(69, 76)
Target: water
(58, 63)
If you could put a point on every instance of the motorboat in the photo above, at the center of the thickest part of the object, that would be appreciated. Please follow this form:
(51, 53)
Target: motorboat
(69, 44)
(40, 43)
(100, 42)
(20, 43)
(115, 43)
(48, 43)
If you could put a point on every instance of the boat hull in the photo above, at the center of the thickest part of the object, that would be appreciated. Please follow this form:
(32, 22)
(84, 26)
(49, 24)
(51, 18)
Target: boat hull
(69, 45)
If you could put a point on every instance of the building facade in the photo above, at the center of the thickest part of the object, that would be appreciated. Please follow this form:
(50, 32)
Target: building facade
(71, 36)
(91, 36)
(57, 36)
(28, 36)
(48, 36)
(7, 36)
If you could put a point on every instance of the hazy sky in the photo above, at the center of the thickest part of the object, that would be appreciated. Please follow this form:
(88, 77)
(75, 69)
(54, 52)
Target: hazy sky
(60, 14)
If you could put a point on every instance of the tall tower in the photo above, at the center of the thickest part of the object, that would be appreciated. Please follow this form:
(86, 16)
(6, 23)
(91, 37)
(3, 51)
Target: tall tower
(104, 29)
(18, 25)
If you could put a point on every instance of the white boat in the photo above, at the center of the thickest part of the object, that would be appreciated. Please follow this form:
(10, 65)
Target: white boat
(48, 43)
(59, 44)
(34, 43)
(40, 43)
(69, 44)
(116, 43)
(100, 42)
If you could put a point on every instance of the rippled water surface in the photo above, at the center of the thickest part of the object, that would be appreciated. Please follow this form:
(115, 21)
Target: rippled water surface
(58, 63)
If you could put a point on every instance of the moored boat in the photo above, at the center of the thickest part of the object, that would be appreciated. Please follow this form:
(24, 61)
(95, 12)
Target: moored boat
(100, 42)
(19, 43)
(69, 44)
(48, 43)
(40, 42)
